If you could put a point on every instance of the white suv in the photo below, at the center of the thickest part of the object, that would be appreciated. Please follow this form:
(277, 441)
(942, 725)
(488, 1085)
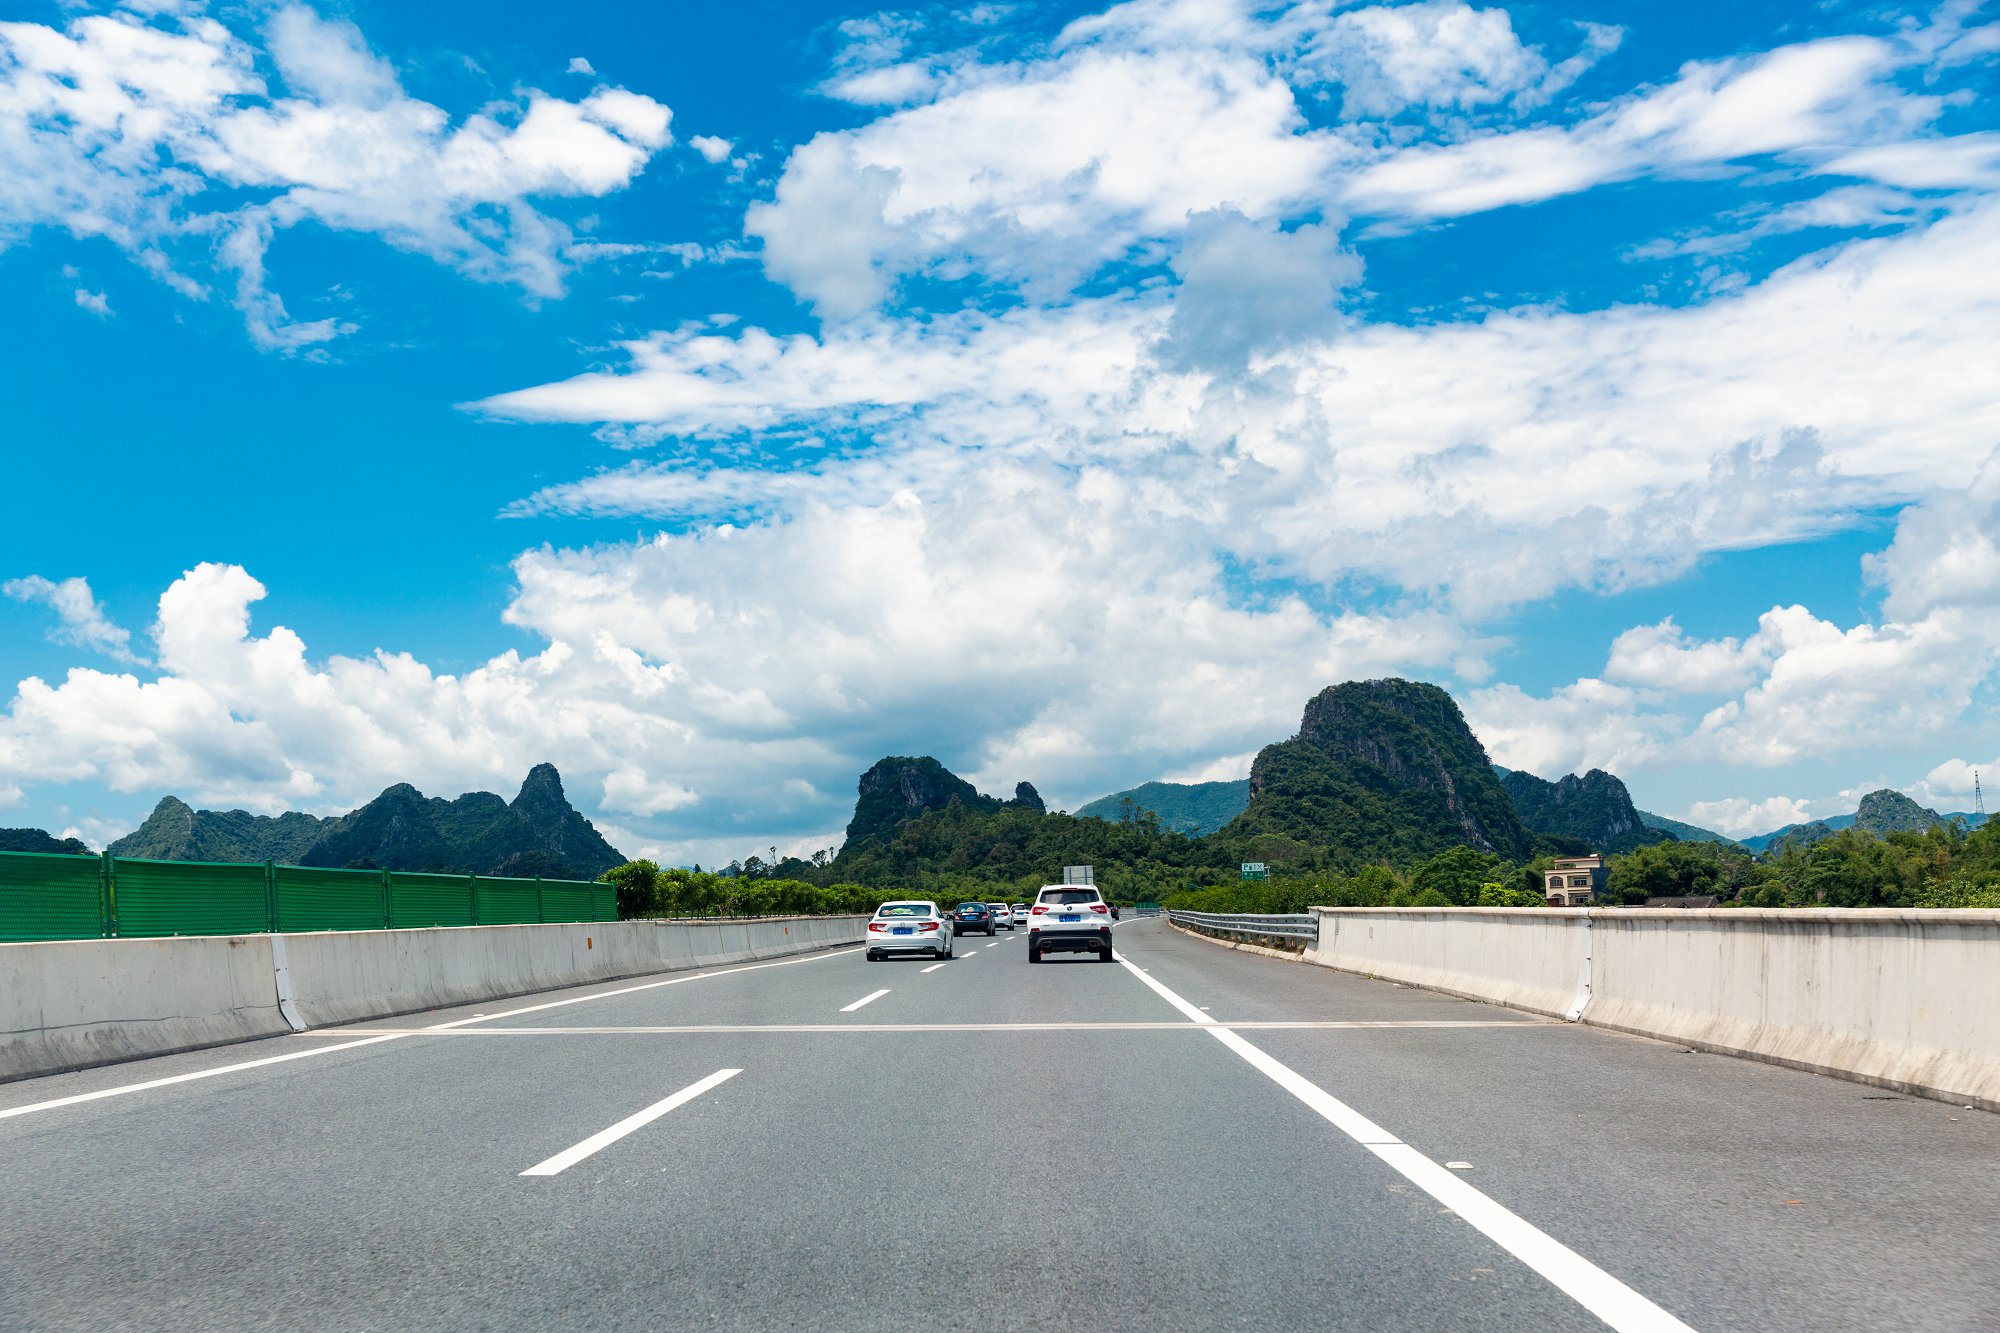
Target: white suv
(1071, 917)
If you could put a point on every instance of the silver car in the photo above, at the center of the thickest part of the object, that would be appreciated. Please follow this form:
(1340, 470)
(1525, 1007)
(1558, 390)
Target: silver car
(1002, 917)
(1020, 911)
(912, 926)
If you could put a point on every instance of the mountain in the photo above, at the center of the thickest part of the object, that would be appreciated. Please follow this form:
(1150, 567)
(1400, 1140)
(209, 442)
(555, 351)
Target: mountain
(35, 840)
(1882, 811)
(1194, 809)
(1382, 771)
(1594, 808)
(1887, 811)
(538, 833)
(900, 788)
(1684, 832)
(176, 832)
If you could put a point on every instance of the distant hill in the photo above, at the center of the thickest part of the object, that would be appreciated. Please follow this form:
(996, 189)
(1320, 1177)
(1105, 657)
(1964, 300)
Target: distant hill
(1684, 832)
(900, 788)
(1382, 771)
(1882, 811)
(1193, 809)
(1594, 808)
(177, 832)
(35, 840)
(1887, 811)
(538, 833)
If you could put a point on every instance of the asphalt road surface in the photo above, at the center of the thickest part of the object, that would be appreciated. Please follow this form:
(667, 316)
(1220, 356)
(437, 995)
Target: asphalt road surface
(1192, 1138)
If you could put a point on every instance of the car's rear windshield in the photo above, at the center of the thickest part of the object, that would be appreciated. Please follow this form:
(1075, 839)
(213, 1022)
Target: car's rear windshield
(972, 907)
(1067, 896)
(904, 909)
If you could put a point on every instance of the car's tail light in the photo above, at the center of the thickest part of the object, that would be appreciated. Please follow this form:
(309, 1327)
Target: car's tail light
(876, 925)
(1099, 907)
(930, 925)
(1037, 910)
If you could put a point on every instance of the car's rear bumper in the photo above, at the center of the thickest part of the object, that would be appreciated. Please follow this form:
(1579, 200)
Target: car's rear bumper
(928, 942)
(1055, 939)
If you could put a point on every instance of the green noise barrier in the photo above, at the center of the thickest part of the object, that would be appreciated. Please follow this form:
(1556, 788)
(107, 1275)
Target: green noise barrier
(45, 897)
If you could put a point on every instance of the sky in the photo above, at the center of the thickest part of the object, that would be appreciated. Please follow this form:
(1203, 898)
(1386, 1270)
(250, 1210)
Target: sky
(713, 399)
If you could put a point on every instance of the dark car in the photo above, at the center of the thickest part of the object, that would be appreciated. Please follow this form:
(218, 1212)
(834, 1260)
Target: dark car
(968, 917)
(1114, 911)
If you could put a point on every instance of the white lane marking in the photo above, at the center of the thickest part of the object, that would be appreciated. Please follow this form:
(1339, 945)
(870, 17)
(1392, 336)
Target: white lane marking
(604, 1138)
(1569, 1272)
(866, 999)
(934, 967)
(1287, 1025)
(994, 945)
(53, 1103)
(632, 990)
(388, 1034)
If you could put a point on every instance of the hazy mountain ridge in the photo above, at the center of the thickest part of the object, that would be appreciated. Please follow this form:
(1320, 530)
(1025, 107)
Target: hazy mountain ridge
(538, 833)
(1193, 809)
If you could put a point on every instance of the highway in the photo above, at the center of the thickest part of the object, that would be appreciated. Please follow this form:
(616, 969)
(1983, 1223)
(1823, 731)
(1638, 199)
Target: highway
(1192, 1138)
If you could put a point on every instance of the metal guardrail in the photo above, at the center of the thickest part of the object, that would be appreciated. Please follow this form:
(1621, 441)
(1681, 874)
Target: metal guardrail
(1295, 925)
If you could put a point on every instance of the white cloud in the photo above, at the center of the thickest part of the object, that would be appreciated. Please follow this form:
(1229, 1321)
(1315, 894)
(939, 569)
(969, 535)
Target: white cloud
(97, 303)
(1036, 175)
(1589, 724)
(578, 65)
(675, 688)
(1437, 54)
(81, 620)
(1814, 99)
(1487, 462)
(1741, 817)
(160, 134)
(711, 148)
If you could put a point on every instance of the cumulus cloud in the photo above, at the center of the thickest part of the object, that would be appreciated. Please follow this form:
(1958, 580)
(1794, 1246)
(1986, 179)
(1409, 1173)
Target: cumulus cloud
(1741, 817)
(711, 148)
(81, 621)
(1038, 173)
(155, 129)
(1437, 54)
(733, 682)
(1487, 461)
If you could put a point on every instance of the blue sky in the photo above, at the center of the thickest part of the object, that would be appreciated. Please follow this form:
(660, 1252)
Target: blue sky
(712, 399)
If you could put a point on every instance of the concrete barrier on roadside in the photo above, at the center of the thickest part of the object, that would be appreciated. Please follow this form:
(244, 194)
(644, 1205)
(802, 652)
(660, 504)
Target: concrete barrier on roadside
(1526, 958)
(1908, 1000)
(68, 1004)
(74, 1003)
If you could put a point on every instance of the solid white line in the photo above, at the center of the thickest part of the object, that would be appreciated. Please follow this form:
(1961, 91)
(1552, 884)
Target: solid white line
(604, 1138)
(866, 999)
(934, 967)
(53, 1103)
(1259, 1025)
(1569, 1272)
(631, 990)
(392, 1035)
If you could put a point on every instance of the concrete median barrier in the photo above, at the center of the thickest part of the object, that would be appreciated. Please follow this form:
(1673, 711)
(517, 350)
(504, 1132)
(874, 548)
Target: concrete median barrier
(75, 1003)
(1908, 1000)
(68, 1004)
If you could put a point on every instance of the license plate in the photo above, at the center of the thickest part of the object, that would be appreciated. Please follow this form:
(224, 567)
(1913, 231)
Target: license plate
(903, 930)
(1069, 916)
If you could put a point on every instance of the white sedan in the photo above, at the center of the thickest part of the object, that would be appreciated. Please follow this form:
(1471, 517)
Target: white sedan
(915, 926)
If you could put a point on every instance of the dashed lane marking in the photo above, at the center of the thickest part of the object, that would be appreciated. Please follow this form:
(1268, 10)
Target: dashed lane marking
(866, 999)
(604, 1138)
